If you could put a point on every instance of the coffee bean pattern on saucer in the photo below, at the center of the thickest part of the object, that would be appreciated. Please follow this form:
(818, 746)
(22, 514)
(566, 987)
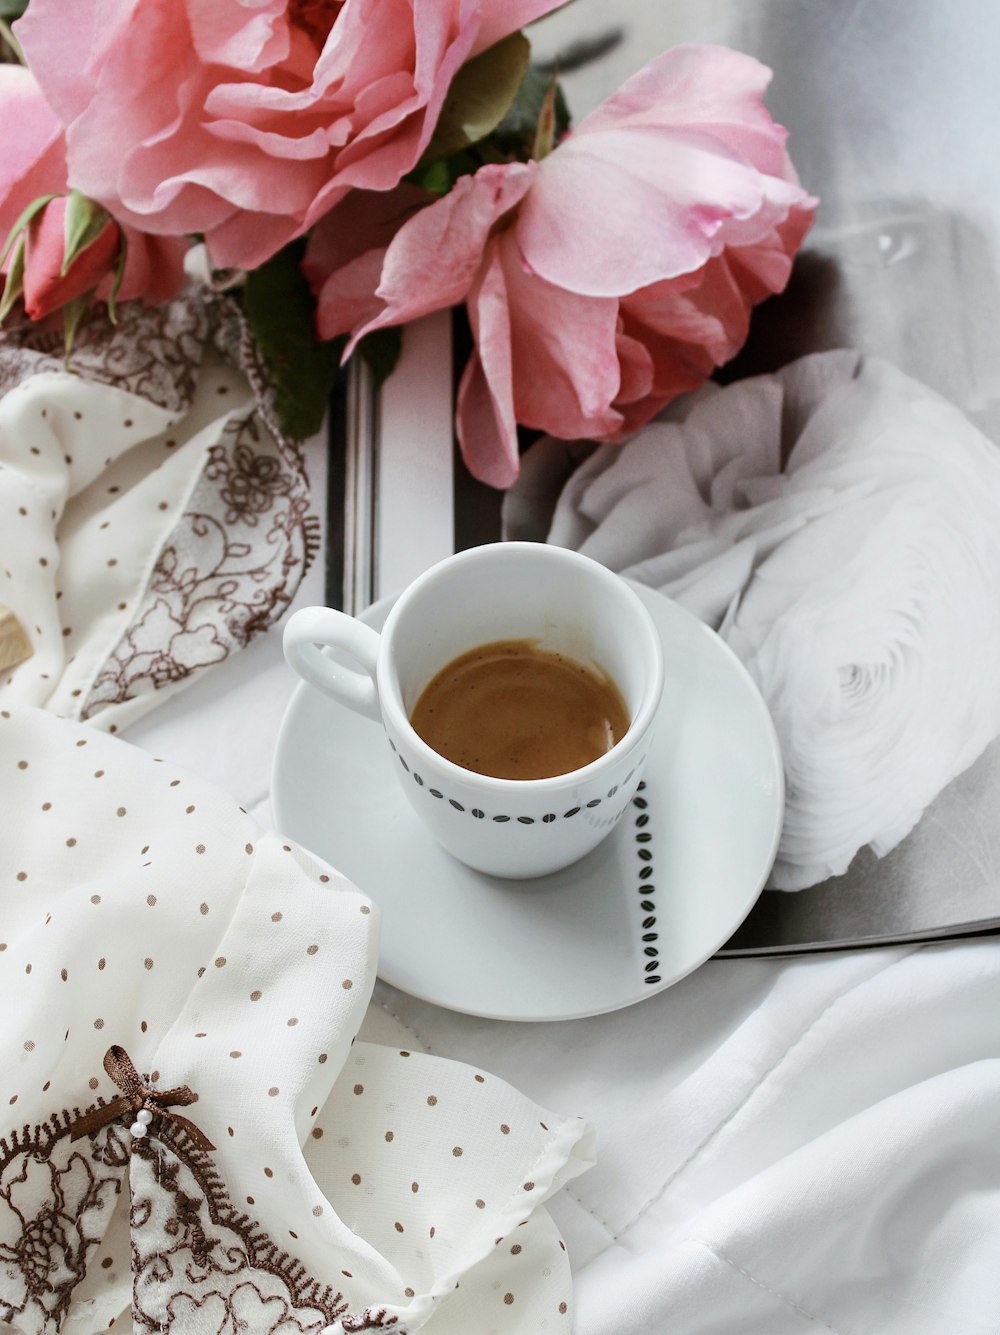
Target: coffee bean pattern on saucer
(547, 819)
(646, 888)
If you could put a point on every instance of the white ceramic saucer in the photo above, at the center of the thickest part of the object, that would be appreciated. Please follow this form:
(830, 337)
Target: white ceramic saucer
(663, 892)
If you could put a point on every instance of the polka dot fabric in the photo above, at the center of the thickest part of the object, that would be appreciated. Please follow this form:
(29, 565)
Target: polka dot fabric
(139, 907)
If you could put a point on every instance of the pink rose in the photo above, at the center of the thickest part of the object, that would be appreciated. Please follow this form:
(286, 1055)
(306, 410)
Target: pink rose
(247, 120)
(607, 278)
(32, 165)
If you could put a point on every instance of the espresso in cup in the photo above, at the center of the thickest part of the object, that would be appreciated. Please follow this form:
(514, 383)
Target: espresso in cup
(514, 710)
(556, 615)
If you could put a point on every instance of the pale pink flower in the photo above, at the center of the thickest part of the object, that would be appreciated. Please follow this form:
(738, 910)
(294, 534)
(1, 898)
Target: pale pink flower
(32, 165)
(605, 279)
(247, 120)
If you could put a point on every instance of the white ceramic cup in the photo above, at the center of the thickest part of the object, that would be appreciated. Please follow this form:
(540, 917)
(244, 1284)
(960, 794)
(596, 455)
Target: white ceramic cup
(502, 591)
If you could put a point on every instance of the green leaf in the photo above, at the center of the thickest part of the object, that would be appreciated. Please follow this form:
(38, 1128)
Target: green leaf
(381, 349)
(14, 284)
(85, 221)
(480, 96)
(280, 309)
(34, 207)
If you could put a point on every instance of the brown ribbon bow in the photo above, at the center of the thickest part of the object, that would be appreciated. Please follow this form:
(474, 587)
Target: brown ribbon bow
(134, 1097)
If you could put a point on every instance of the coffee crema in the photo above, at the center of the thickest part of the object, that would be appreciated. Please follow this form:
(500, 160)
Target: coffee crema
(514, 711)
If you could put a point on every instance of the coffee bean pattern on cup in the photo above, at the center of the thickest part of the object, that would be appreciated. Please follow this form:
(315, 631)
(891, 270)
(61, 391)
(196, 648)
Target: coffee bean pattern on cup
(516, 711)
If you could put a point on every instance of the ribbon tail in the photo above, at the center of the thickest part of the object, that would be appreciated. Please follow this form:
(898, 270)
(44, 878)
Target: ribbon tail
(95, 1118)
(195, 1132)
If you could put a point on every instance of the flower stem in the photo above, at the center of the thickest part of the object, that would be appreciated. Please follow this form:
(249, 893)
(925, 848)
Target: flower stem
(7, 36)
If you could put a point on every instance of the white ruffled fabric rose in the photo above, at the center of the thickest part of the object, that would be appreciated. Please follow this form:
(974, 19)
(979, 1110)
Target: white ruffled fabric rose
(839, 524)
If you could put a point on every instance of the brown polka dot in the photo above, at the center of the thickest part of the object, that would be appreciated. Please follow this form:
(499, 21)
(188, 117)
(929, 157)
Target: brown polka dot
(321, 1058)
(144, 849)
(22, 875)
(22, 764)
(399, 1227)
(408, 1292)
(29, 1045)
(93, 1082)
(505, 1128)
(480, 1205)
(562, 1309)
(143, 1026)
(268, 1172)
(389, 1136)
(147, 963)
(151, 900)
(317, 1210)
(63, 975)
(273, 1092)
(248, 848)
(365, 908)
(516, 1249)
(71, 843)
(250, 1200)
(292, 1021)
(13, 1099)
(403, 1052)
(479, 1078)
(120, 811)
(220, 962)
(107, 1263)
(188, 810)
(508, 1298)
(27, 968)
(457, 1151)
(95, 899)
(102, 963)
(529, 1186)
(203, 909)
(359, 1089)
(46, 806)
(311, 950)
(201, 1034)
(431, 1233)
(276, 917)
(256, 995)
(199, 848)
(67, 630)
(356, 1179)
(230, 1130)
(324, 878)
(432, 1099)
(174, 783)
(163, 505)
(236, 1053)
(317, 1133)
(347, 984)
(98, 1023)
(201, 972)
(347, 1273)
(98, 774)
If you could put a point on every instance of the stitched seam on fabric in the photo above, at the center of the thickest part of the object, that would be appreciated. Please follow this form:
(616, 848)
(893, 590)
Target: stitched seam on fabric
(758, 1084)
(775, 1293)
(593, 1213)
(409, 1028)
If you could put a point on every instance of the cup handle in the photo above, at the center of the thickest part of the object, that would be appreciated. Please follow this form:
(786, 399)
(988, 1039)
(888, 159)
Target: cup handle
(311, 627)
